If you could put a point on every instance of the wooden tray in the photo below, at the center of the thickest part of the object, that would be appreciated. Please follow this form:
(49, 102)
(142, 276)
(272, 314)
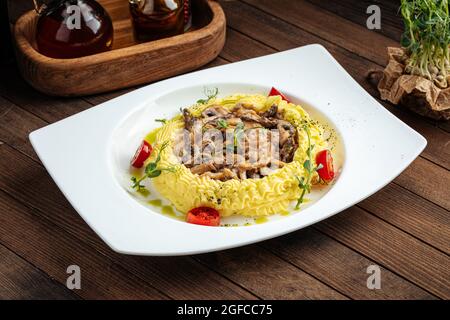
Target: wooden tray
(129, 63)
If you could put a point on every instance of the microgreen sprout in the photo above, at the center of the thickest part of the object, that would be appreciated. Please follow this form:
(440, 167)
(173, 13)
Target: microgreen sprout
(152, 170)
(427, 39)
(222, 124)
(210, 94)
(238, 133)
(304, 183)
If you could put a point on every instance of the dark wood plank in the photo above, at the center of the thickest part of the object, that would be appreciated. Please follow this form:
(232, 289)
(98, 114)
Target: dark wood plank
(52, 202)
(21, 280)
(267, 276)
(355, 11)
(329, 27)
(445, 125)
(392, 248)
(15, 129)
(415, 215)
(424, 178)
(53, 251)
(341, 267)
(100, 98)
(50, 109)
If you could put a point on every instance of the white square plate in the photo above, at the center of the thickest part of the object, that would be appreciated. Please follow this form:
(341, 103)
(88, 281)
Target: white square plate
(79, 152)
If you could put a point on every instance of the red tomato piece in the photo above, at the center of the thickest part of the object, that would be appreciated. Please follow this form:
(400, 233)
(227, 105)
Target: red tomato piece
(204, 216)
(275, 92)
(325, 158)
(142, 153)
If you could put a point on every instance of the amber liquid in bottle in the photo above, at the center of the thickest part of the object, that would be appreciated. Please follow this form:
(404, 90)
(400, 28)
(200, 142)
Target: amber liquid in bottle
(156, 19)
(91, 34)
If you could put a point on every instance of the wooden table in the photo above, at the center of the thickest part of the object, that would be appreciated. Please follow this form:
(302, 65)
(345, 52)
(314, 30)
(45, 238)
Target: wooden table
(404, 228)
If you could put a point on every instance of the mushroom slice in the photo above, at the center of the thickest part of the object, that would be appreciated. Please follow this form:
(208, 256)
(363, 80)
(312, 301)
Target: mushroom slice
(188, 119)
(271, 112)
(225, 174)
(288, 150)
(202, 168)
(215, 111)
(233, 121)
(286, 130)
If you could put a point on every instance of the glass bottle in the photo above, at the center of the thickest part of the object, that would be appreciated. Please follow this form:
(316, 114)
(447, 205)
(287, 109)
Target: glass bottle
(73, 28)
(156, 19)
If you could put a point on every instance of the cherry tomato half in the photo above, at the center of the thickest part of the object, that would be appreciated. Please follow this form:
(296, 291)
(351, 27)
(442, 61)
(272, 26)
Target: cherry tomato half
(275, 92)
(204, 216)
(325, 158)
(142, 153)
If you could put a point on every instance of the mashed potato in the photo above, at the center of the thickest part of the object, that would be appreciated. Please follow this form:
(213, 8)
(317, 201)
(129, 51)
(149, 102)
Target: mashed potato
(250, 197)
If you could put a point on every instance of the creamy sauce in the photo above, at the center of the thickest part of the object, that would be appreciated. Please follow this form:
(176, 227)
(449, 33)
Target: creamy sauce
(156, 203)
(144, 192)
(151, 137)
(261, 220)
(167, 210)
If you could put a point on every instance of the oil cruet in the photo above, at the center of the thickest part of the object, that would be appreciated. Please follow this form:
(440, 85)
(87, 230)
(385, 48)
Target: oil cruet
(157, 19)
(72, 28)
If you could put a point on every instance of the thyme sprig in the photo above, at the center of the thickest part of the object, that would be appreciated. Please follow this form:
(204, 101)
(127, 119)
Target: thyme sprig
(238, 133)
(163, 121)
(210, 94)
(304, 183)
(222, 124)
(152, 170)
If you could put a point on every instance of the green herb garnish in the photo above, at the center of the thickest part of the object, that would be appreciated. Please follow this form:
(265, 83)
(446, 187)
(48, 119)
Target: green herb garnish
(163, 121)
(304, 183)
(210, 94)
(427, 38)
(152, 170)
(238, 133)
(222, 124)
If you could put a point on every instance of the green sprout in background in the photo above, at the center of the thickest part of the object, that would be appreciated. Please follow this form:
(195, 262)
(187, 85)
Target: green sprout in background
(427, 39)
